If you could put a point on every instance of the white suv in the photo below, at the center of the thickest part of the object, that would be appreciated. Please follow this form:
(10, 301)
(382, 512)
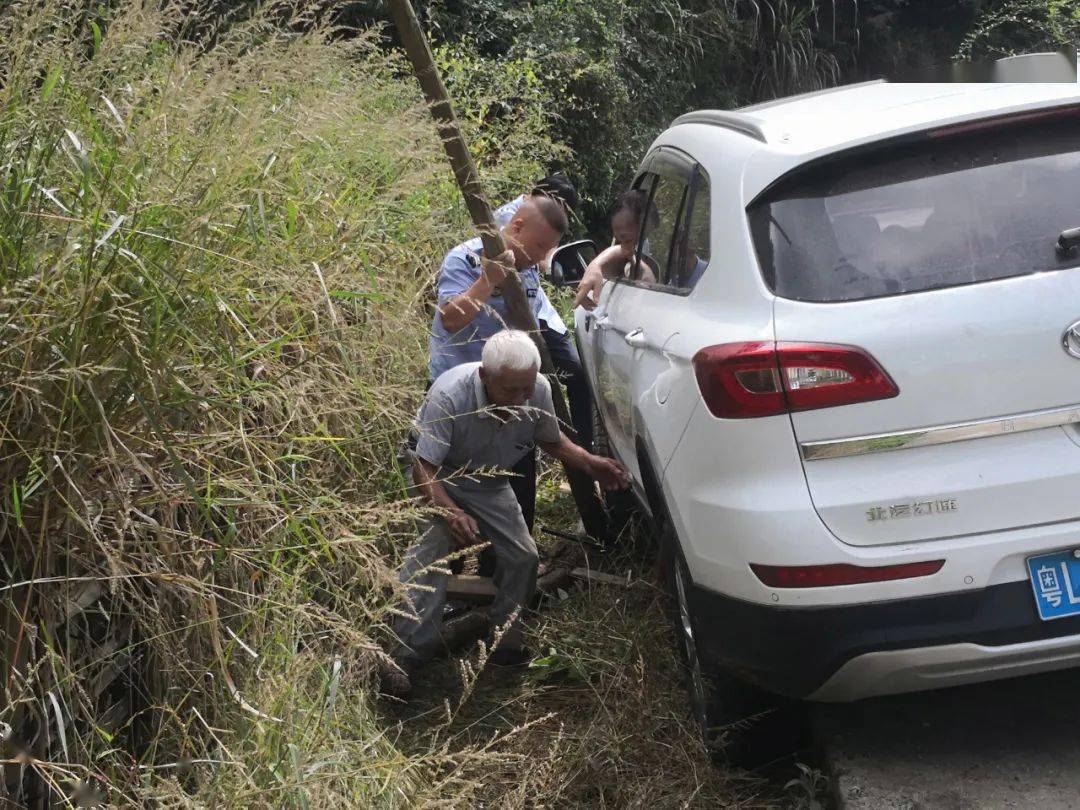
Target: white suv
(846, 383)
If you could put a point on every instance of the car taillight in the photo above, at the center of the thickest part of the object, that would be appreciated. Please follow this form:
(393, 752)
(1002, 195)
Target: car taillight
(824, 576)
(996, 123)
(746, 380)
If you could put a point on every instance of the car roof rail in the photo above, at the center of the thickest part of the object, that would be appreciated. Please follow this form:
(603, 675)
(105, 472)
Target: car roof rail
(738, 121)
(724, 118)
(776, 102)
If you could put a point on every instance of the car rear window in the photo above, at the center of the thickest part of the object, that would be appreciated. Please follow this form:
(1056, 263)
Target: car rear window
(956, 207)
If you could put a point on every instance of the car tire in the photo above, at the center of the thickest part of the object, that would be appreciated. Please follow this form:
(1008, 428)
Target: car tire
(741, 724)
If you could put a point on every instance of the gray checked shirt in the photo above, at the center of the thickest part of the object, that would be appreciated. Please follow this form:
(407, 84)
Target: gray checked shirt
(459, 430)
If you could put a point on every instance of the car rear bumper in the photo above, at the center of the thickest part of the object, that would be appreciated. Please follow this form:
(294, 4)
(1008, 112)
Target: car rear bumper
(855, 651)
(918, 668)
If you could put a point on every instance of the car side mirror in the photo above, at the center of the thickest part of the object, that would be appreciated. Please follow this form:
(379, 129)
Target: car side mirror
(569, 262)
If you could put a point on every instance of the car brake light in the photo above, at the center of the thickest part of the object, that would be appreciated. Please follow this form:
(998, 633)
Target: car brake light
(746, 380)
(997, 122)
(825, 576)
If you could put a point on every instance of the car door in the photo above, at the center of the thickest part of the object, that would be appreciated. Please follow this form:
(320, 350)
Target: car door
(603, 348)
(643, 318)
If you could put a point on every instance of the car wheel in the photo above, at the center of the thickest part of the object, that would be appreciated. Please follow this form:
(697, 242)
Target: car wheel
(696, 679)
(740, 723)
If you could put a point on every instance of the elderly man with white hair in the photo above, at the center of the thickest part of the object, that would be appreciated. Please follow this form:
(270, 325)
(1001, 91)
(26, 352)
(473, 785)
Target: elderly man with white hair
(476, 422)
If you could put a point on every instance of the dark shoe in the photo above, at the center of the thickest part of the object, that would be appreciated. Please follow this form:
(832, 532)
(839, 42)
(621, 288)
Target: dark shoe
(465, 630)
(394, 680)
(510, 657)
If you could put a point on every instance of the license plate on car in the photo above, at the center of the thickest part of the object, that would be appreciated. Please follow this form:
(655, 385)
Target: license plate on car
(1056, 580)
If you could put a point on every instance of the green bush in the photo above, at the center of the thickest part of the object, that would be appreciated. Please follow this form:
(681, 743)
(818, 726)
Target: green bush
(617, 72)
(1022, 26)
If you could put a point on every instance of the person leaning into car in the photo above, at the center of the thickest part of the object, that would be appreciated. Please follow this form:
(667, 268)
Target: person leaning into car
(630, 210)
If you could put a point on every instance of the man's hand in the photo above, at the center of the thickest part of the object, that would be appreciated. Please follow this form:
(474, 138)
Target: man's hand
(495, 270)
(608, 473)
(459, 311)
(588, 291)
(463, 528)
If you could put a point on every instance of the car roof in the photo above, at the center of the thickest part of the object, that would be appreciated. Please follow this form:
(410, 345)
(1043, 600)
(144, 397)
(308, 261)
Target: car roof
(858, 113)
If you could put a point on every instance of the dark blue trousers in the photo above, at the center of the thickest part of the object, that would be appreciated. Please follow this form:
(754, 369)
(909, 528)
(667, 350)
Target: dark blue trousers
(568, 368)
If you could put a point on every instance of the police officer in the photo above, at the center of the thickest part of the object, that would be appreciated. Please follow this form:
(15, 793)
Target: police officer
(471, 308)
(557, 337)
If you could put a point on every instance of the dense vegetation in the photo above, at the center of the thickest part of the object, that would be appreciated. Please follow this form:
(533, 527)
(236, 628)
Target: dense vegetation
(216, 238)
(612, 73)
(212, 260)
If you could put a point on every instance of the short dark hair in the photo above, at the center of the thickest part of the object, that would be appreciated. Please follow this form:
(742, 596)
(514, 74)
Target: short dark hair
(637, 203)
(558, 186)
(553, 212)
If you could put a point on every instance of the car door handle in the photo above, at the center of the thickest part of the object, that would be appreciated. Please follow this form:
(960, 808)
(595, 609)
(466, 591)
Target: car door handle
(636, 338)
(600, 321)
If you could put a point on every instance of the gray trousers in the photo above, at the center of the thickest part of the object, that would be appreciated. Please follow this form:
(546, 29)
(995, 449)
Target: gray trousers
(492, 503)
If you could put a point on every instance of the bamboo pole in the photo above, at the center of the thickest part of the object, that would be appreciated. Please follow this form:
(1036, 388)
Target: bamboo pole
(468, 180)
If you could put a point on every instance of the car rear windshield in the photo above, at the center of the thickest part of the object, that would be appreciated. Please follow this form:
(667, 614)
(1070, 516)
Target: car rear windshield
(953, 207)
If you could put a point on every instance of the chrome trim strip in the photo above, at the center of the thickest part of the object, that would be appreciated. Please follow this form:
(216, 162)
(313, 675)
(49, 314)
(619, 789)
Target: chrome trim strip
(944, 434)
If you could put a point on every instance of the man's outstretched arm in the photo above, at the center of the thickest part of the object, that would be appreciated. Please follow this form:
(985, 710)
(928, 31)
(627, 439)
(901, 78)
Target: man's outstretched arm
(607, 472)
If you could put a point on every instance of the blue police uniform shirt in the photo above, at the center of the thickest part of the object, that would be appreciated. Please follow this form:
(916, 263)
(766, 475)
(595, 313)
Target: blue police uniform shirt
(460, 269)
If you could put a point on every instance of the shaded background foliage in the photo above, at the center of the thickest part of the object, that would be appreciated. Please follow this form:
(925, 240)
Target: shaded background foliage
(1021, 26)
(613, 73)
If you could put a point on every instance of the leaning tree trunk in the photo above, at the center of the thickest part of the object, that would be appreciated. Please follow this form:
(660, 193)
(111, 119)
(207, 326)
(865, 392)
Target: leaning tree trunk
(468, 180)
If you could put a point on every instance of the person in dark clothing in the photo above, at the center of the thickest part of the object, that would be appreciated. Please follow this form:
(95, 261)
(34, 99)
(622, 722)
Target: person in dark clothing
(560, 345)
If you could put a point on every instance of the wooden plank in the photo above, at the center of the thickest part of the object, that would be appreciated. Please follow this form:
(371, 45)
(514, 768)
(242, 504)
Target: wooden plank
(470, 588)
(555, 578)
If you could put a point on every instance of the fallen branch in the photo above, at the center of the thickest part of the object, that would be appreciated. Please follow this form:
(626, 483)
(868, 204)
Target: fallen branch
(599, 577)
(472, 588)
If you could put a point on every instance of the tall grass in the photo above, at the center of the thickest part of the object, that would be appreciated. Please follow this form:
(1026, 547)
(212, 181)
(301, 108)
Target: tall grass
(213, 257)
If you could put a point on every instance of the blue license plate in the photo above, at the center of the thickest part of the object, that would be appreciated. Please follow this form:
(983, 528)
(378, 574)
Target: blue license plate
(1056, 580)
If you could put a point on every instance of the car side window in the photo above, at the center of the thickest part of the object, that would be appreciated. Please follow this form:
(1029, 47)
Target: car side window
(691, 254)
(658, 231)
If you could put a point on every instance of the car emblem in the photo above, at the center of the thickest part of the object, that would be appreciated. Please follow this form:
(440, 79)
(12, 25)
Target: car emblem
(1070, 340)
